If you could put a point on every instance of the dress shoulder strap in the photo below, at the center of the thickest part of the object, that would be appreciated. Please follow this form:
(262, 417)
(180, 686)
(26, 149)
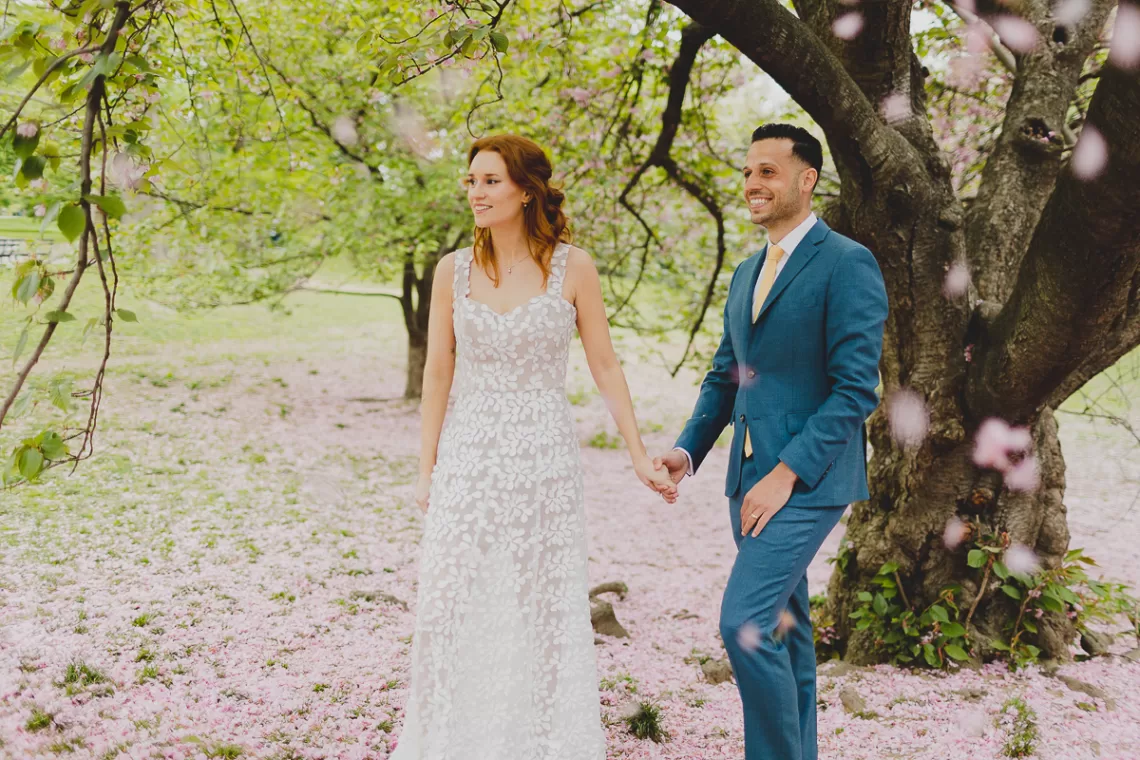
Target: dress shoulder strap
(461, 287)
(558, 262)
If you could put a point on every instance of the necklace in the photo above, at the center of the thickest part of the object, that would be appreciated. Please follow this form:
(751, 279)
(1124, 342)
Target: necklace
(514, 263)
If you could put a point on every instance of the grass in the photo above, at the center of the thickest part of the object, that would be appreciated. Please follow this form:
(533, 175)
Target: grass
(1021, 740)
(645, 723)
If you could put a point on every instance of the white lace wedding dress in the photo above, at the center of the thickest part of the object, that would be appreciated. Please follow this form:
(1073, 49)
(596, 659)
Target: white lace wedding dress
(503, 664)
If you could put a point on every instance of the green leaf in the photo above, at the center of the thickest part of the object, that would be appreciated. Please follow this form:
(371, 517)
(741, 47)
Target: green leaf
(58, 316)
(60, 391)
(999, 645)
(880, 605)
(31, 462)
(500, 41)
(53, 446)
(33, 167)
(25, 147)
(21, 406)
(126, 316)
(953, 630)
(864, 624)
(1000, 570)
(930, 656)
(72, 221)
(865, 596)
(976, 558)
(888, 568)
(112, 205)
(1013, 592)
(20, 344)
(1029, 625)
(27, 287)
(956, 652)
(938, 612)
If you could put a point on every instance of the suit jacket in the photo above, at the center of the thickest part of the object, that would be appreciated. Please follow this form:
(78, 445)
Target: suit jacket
(802, 379)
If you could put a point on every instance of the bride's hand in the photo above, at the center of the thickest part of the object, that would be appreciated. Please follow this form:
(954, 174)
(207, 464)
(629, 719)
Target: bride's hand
(423, 486)
(656, 479)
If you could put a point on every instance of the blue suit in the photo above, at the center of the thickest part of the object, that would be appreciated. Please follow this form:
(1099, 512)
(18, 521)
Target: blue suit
(802, 379)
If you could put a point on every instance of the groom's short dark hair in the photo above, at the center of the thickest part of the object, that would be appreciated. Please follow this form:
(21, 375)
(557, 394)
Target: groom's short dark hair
(804, 145)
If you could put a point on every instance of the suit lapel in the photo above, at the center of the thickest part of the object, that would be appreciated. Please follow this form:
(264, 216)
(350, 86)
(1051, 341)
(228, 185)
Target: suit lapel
(803, 254)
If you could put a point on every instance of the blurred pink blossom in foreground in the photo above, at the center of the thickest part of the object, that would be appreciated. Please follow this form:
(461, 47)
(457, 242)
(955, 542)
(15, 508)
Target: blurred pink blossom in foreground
(1016, 33)
(996, 441)
(957, 280)
(909, 417)
(1021, 559)
(848, 26)
(1090, 156)
(1125, 50)
(955, 533)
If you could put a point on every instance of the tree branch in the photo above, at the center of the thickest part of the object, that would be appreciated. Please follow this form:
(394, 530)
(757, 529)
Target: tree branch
(1023, 166)
(1075, 308)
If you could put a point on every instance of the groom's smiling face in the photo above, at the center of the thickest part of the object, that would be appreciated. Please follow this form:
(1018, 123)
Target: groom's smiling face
(774, 182)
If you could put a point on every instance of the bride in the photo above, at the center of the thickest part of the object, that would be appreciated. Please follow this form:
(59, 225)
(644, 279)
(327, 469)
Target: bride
(503, 664)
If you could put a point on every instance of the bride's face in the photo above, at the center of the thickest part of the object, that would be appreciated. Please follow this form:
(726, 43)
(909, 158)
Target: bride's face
(494, 198)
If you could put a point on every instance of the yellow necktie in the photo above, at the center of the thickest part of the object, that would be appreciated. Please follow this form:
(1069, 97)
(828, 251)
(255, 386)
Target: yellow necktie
(767, 279)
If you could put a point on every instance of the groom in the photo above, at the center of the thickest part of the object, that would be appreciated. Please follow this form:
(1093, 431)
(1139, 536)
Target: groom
(795, 375)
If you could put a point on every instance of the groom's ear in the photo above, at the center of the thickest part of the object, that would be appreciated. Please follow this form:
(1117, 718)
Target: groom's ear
(808, 179)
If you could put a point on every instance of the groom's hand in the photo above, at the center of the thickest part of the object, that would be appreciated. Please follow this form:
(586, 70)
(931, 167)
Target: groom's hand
(676, 462)
(765, 499)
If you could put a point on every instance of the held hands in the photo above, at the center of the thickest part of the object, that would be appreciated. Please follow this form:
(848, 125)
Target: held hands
(765, 499)
(423, 486)
(650, 473)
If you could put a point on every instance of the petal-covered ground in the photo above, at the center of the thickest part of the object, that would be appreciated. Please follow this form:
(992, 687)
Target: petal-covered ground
(233, 575)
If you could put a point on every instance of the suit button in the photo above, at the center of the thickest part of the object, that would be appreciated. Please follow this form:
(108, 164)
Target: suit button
(751, 373)
(742, 418)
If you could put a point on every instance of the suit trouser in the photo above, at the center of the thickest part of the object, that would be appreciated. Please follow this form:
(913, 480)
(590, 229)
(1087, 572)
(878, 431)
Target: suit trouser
(774, 669)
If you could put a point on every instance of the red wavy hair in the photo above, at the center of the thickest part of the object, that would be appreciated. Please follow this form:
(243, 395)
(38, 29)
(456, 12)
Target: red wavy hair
(546, 223)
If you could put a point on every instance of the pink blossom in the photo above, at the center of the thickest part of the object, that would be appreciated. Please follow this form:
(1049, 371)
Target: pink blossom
(909, 417)
(995, 441)
(787, 623)
(41, 210)
(28, 129)
(1021, 559)
(1090, 155)
(748, 637)
(966, 71)
(977, 38)
(1125, 51)
(848, 26)
(955, 533)
(957, 281)
(1070, 12)
(344, 131)
(1023, 476)
(1016, 33)
(579, 95)
(895, 108)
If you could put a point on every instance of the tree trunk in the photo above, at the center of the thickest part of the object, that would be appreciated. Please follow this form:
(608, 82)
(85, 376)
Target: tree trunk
(417, 357)
(916, 493)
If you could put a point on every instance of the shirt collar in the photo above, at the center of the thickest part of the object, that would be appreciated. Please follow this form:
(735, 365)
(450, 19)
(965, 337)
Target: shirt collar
(793, 238)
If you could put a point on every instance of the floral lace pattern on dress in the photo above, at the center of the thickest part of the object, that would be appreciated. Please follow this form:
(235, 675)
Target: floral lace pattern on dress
(503, 663)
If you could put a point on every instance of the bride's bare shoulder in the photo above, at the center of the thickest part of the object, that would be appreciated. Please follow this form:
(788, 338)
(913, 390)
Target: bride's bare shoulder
(579, 261)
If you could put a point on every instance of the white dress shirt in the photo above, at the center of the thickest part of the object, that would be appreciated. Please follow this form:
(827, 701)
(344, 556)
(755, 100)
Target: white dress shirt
(789, 243)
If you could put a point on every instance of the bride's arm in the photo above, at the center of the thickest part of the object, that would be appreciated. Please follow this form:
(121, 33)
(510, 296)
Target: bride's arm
(594, 328)
(439, 369)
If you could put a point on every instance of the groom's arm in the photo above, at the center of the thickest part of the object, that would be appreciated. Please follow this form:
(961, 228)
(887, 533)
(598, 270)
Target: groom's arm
(856, 310)
(714, 405)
